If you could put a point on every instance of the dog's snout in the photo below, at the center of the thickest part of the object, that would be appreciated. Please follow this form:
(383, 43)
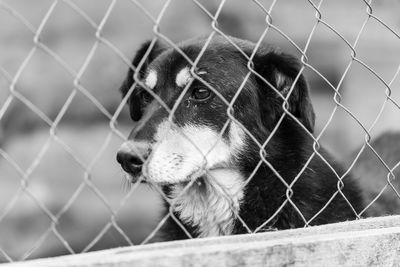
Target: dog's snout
(131, 160)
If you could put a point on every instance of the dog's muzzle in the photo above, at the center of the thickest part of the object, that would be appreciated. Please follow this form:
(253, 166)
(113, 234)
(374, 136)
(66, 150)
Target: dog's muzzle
(177, 155)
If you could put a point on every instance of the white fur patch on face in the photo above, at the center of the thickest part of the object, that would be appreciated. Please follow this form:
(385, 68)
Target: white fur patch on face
(151, 79)
(181, 154)
(280, 80)
(211, 207)
(201, 72)
(183, 77)
(282, 83)
(237, 138)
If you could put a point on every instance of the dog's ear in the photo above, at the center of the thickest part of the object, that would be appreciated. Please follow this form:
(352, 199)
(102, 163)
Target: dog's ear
(281, 70)
(134, 102)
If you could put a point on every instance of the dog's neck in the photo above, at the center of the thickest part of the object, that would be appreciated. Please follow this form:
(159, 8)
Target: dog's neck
(211, 204)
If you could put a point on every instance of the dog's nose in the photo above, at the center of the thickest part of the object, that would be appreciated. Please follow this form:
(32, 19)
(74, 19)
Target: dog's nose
(131, 156)
(130, 162)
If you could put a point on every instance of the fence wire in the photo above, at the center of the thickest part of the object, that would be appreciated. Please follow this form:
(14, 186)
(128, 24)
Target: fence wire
(15, 95)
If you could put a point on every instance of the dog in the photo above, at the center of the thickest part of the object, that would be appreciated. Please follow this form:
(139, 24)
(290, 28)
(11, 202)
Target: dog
(227, 137)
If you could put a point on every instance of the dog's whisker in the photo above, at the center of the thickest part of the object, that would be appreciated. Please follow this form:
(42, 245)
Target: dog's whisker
(126, 183)
(120, 175)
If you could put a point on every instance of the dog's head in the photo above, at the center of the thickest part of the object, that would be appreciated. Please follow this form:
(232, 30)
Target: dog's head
(193, 119)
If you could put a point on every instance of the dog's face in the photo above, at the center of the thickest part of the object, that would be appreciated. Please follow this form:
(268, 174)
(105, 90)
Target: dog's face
(198, 120)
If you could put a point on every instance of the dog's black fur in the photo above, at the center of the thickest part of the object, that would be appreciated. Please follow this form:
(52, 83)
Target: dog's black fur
(258, 108)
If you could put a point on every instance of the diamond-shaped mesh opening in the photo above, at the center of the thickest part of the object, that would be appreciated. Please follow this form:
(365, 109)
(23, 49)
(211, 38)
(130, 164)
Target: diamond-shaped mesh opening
(99, 214)
(32, 83)
(140, 218)
(254, 166)
(68, 44)
(52, 246)
(25, 221)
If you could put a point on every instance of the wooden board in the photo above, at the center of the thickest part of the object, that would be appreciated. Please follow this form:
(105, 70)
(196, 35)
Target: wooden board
(366, 242)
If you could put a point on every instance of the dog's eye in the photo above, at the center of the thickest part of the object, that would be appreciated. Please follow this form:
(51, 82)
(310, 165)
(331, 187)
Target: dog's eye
(146, 97)
(201, 94)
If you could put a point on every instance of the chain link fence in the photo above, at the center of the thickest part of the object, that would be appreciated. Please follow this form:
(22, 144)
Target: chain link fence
(84, 177)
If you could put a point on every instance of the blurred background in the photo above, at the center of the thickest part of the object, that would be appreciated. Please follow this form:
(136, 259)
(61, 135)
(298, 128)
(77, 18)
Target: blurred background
(59, 80)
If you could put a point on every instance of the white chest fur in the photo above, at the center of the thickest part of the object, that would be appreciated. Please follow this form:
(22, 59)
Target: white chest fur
(211, 207)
